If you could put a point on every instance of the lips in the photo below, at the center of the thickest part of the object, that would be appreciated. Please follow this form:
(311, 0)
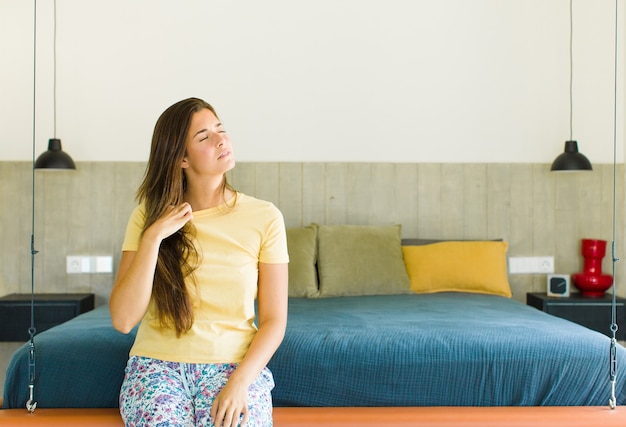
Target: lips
(224, 154)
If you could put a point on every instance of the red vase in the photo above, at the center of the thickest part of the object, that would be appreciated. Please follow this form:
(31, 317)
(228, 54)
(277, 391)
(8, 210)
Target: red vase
(591, 282)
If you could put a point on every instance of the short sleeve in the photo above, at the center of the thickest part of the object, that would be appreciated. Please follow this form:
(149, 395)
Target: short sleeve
(134, 228)
(274, 245)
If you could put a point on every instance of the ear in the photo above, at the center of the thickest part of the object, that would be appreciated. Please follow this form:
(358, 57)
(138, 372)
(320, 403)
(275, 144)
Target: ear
(184, 164)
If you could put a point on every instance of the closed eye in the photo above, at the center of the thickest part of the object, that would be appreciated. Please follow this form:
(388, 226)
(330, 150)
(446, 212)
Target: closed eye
(206, 132)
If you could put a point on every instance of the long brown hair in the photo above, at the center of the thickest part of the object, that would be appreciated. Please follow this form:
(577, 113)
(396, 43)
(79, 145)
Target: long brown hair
(163, 186)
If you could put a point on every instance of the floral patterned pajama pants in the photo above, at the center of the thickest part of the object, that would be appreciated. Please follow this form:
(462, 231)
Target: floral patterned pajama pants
(159, 393)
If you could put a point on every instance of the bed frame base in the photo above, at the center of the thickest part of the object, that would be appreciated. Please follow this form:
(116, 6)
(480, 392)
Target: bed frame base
(571, 416)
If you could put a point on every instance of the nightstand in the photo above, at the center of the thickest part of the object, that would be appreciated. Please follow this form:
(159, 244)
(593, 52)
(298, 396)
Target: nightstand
(594, 313)
(50, 310)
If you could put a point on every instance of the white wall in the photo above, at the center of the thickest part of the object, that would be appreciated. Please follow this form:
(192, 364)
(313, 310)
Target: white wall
(325, 80)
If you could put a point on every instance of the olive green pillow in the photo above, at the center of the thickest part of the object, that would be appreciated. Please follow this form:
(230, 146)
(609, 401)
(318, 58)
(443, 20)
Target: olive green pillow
(302, 248)
(360, 260)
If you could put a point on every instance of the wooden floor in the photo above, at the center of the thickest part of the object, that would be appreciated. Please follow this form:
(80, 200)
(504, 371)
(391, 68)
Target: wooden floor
(589, 416)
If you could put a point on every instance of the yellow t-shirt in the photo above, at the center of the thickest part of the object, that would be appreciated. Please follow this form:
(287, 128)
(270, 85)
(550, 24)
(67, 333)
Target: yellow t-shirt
(231, 243)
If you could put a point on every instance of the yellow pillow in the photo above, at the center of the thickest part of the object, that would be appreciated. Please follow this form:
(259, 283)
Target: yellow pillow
(458, 266)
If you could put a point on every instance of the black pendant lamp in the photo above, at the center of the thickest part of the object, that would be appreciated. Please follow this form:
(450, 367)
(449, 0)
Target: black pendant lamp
(571, 159)
(54, 157)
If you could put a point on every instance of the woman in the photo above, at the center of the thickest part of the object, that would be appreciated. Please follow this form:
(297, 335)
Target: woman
(195, 256)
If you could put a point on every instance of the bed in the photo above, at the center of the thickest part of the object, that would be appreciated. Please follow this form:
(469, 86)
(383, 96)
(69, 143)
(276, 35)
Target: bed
(373, 321)
(444, 349)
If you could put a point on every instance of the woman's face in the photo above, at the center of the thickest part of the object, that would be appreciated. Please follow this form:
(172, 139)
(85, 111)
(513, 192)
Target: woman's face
(209, 151)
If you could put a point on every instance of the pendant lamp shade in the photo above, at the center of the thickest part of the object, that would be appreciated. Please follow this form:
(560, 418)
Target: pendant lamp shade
(571, 159)
(54, 157)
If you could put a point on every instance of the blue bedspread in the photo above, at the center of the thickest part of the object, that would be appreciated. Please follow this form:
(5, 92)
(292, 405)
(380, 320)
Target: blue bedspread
(406, 350)
(439, 349)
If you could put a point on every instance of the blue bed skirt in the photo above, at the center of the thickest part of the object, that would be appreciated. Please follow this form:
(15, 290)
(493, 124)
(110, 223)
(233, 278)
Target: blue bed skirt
(449, 349)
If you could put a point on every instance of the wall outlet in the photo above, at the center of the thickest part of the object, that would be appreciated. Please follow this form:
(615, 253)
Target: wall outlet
(531, 265)
(76, 264)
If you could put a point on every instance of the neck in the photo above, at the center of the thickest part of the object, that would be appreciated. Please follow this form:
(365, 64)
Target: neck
(207, 194)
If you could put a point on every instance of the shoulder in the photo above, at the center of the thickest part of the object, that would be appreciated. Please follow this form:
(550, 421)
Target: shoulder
(247, 202)
(139, 210)
(134, 228)
(138, 214)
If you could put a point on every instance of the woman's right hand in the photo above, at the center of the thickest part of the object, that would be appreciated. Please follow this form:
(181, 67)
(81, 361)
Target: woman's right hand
(170, 222)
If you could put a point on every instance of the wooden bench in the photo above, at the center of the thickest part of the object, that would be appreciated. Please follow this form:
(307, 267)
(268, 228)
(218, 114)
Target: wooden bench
(578, 416)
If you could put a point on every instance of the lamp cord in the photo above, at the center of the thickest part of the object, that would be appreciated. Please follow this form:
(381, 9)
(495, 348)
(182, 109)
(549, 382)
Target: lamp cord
(31, 404)
(571, 71)
(54, 69)
(614, 327)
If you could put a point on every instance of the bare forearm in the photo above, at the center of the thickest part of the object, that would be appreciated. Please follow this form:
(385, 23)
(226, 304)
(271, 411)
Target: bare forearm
(133, 288)
(263, 346)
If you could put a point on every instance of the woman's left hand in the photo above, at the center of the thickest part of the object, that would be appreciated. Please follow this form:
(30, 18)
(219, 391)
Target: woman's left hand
(230, 404)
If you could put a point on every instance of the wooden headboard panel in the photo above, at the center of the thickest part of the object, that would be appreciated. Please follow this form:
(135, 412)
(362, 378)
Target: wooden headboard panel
(539, 213)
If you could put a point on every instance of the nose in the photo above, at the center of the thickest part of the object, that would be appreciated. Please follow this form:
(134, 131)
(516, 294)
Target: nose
(221, 138)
